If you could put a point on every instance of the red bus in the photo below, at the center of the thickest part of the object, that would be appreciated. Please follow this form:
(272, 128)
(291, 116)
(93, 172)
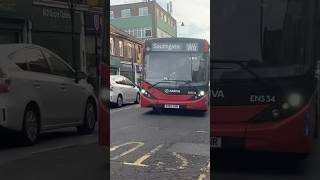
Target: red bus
(264, 74)
(104, 111)
(175, 74)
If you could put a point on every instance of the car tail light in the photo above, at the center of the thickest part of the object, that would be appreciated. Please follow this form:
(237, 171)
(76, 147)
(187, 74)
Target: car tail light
(4, 82)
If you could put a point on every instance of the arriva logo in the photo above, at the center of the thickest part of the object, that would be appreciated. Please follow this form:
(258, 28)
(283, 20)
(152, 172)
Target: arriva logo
(217, 94)
(172, 91)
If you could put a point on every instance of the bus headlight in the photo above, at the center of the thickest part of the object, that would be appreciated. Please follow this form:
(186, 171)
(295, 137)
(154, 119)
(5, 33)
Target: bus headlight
(147, 94)
(281, 109)
(295, 99)
(198, 95)
(202, 93)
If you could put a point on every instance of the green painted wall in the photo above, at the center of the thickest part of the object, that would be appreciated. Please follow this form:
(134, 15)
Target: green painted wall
(132, 22)
(161, 24)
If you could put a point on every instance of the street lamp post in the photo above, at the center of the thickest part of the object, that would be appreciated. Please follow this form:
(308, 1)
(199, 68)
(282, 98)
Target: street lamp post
(72, 12)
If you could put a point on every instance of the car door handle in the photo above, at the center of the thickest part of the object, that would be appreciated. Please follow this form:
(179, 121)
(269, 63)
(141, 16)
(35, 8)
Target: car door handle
(36, 84)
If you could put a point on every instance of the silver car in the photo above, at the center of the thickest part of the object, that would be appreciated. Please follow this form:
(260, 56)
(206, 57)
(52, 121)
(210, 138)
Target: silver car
(39, 91)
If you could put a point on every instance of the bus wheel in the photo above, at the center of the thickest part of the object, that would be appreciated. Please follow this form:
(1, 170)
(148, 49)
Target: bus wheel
(156, 109)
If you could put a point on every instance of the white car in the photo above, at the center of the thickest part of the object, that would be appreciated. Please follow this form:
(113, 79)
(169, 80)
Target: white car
(39, 91)
(123, 91)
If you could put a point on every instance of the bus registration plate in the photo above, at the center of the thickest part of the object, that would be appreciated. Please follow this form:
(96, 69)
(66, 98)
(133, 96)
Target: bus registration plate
(172, 106)
(216, 142)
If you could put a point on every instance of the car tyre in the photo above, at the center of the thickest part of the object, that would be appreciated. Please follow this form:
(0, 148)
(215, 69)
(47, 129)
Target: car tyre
(316, 123)
(90, 118)
(31, 125)
(119, 101)
(137, 99)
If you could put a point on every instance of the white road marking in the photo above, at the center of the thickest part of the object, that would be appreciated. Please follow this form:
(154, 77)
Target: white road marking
(122, 109)
(202, 132)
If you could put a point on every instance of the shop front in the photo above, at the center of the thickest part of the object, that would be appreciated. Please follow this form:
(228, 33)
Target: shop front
(14, 24)
(52, 28)
(114, 65)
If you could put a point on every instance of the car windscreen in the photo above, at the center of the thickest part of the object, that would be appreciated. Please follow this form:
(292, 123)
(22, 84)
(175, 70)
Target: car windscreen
(268, 35)
(176, 66)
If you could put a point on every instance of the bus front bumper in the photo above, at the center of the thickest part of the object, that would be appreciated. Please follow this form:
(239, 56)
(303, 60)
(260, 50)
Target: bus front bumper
(290, 135)
(199, 104)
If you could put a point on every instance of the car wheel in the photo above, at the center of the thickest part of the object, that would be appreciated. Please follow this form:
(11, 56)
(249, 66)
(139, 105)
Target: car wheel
(90, 118)
(31, 127)
(119, 101)
(138, 99)
(316, 123)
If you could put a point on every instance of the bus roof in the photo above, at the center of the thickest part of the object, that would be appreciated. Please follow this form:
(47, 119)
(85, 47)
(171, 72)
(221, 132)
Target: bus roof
(174, 40)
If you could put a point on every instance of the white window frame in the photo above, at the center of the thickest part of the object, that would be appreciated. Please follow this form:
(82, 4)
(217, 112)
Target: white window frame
(111, 15)
(111, 46)
(129, 52)
(125, 13)
(144, 11)
(146, 29)
(121, 49)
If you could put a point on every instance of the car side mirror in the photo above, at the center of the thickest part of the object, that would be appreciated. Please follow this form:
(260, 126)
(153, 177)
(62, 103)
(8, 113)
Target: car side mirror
(80, 75)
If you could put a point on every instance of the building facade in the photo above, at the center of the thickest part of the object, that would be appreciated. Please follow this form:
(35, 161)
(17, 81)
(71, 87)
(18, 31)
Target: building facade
(143, 20)
(125, 55)
(49, 23)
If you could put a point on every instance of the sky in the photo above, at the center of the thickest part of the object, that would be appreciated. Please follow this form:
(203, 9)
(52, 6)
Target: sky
(194, 14)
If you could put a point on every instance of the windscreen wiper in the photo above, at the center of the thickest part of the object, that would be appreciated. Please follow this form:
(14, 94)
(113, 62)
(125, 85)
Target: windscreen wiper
(166, 81)
(242, 64)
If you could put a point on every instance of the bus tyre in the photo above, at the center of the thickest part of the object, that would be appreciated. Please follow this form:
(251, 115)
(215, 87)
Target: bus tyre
(119, 101)
(137, 99)
(31, 125)
(156, 109)
(90, 118)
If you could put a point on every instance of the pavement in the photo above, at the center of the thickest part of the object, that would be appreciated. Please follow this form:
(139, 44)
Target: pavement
(159, 145)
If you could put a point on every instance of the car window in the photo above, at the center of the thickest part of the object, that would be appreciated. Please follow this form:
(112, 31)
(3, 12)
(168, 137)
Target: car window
(19, 58)
(128, 82)
(58, 67)
(31, 57)
(120, 80)
(36, 61)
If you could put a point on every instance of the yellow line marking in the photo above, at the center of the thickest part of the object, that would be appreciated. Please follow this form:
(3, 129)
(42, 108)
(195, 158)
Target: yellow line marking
(204, 172)
(139, 144)
(201, 177)
(139, 162)
(184, 160)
